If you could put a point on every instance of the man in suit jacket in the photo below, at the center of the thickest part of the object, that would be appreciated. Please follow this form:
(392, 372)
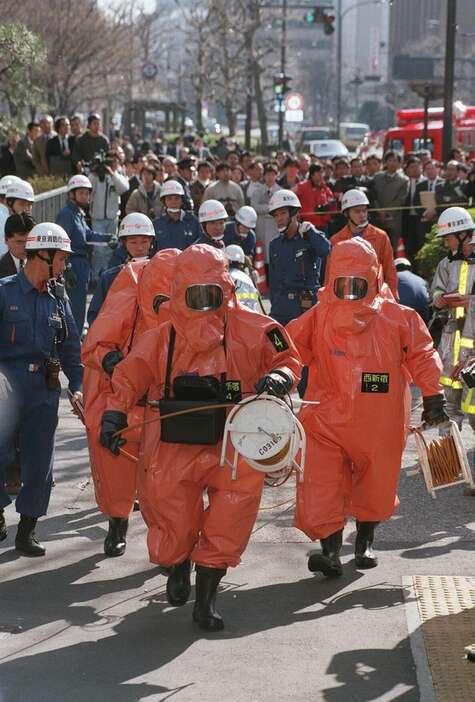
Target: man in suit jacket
(411, 217)
(39, 147)
(17, 227)
(23, 155)
(427, 217)
(59, 149)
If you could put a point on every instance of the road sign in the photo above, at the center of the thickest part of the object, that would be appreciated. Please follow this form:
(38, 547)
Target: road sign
(294, 115)
(294, 101)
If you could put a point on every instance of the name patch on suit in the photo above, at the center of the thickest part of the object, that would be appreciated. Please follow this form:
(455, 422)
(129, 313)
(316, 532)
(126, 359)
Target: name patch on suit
(277, 340)
(232, 391)
(375, 382)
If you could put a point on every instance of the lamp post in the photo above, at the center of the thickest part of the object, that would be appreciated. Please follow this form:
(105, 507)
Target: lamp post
(341, 14)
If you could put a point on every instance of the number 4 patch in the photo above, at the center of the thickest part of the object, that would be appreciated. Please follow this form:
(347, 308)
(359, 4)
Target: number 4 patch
(277, 340)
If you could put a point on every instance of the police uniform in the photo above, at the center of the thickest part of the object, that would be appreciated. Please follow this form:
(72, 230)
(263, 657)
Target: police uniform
(295, 268)
(72, 219)
(176, 235)
(103, 286)
(247, 243)
(32, 325)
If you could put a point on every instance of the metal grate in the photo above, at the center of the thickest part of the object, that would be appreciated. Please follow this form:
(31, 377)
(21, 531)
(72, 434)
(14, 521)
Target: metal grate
(447, 611)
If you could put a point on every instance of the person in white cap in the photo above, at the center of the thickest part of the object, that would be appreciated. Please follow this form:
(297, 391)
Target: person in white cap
(453, 292)
(38, 337)
(72, 219)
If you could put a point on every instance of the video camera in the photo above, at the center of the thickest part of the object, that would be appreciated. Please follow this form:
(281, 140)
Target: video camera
(98, 165)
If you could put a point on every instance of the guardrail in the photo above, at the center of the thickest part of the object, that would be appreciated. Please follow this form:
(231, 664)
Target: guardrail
(47, 205)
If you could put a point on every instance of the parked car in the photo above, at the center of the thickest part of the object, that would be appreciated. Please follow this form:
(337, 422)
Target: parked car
(326, 148)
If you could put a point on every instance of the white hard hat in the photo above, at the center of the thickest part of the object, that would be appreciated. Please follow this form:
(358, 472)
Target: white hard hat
(48, 235)
(284, 198)
(79, 181)
(171, 187)
(353, 198)
(246, 216)
(266, 433)
(234, 253)
(454, 220)
(401, 261)
(6, 181)
(136, 224)
(20, 190)
(211, 211)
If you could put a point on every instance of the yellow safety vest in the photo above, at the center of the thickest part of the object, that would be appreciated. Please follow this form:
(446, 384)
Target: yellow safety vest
(460, 342)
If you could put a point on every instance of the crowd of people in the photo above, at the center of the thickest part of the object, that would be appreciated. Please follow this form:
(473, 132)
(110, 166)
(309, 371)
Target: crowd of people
(179, 243)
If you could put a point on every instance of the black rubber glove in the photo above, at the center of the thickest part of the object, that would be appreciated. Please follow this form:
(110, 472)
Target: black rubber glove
(434, 410)
(112, 422)
(111, 359)
(275, 383)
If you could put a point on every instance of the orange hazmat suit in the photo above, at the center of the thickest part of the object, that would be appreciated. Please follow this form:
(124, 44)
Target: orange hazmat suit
(230, 340)
(360, 354)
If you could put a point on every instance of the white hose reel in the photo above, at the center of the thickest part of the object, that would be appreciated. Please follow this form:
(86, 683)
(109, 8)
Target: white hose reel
(265, 432)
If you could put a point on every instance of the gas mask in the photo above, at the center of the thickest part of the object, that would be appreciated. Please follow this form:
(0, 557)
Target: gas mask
(204, 298)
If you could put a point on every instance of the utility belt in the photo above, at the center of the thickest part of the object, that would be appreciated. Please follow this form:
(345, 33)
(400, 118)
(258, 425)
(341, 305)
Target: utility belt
(205, 426)
(49, 368)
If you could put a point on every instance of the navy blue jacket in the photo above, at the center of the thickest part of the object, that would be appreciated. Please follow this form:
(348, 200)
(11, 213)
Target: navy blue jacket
(413, 292)
(176, 235)
(72, 219)
(29, 322)
(247, 244)
(103, 286)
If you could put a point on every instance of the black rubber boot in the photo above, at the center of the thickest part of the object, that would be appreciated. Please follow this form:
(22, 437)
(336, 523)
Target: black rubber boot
(328, 561)
(26, 541)
(178, 584)
(364, 554)
(115, 542)
(204, 611)
(3, 526)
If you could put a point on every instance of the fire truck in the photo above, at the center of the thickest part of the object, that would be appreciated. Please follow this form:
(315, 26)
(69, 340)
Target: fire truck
(409, 133)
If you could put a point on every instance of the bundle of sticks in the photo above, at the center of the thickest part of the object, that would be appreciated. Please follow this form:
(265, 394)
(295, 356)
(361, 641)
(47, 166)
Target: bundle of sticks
(444, 461)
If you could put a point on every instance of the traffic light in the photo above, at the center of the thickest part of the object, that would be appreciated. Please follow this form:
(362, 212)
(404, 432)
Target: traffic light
(328, 26)
(315, 16)
(318, 15)
(281, 84)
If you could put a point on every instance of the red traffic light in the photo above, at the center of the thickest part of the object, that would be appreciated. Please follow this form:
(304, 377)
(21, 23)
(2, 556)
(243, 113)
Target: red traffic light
(328, 20)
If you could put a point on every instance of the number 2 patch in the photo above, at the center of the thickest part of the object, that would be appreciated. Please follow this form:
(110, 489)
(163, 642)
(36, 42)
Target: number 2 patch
(277, 340)
(375, 382)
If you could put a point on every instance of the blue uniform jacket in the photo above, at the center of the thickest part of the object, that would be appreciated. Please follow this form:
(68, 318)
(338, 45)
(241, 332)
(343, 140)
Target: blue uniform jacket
(176, 235)
(72, 219)
(29, 322)
(295, 265)
(413, 292)
(248, 244)
(103, 287)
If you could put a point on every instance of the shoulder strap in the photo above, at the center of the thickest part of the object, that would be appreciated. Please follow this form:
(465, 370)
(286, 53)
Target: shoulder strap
(171, 348)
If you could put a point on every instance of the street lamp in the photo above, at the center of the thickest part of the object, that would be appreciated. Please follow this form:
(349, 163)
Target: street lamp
(341, 14)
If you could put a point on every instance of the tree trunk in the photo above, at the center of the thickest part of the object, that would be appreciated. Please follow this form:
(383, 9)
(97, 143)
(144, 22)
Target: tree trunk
(199, 113)
(260, 107)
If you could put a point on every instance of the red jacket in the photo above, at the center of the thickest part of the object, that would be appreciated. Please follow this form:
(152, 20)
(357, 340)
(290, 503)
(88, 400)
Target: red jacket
(311, 197)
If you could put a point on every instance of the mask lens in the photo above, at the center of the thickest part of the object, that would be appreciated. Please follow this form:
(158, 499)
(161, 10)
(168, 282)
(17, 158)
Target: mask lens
(204, 297)
(350, 288)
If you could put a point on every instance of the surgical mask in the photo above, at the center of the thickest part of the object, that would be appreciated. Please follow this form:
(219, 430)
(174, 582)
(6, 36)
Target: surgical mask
(282, 230)
(173, 209)
(139, 258)
(217, 238)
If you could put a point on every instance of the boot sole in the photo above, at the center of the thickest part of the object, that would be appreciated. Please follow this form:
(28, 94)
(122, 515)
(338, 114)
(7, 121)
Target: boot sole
(213, 625)
(366, 563)
(320, 564)
(29, 553)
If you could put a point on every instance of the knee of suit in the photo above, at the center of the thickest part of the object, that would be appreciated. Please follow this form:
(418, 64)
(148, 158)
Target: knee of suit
(169, 545)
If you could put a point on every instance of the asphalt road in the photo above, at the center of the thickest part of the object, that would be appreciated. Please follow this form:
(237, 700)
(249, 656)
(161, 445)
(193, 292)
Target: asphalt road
(78, 627)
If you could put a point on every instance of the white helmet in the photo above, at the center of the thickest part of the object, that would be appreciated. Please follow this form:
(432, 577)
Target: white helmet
(79, 181)
(266, 433)
(212, 211)
(171, 187)
(234, 254)
(284, 198)
(20, 190)
(136, 224)
(48, 235)
(454, 220)
(353, 198)
(6, 181)
(246, 216)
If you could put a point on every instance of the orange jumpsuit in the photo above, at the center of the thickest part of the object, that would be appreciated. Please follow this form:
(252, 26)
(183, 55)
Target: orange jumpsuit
(126, 313)
(360, 355)
(381, 243)
(233, 340)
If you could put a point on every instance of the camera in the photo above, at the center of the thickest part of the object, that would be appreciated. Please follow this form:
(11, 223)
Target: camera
(98, 165)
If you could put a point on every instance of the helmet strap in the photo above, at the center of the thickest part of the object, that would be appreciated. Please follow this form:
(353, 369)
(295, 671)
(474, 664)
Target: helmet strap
(49, 261)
